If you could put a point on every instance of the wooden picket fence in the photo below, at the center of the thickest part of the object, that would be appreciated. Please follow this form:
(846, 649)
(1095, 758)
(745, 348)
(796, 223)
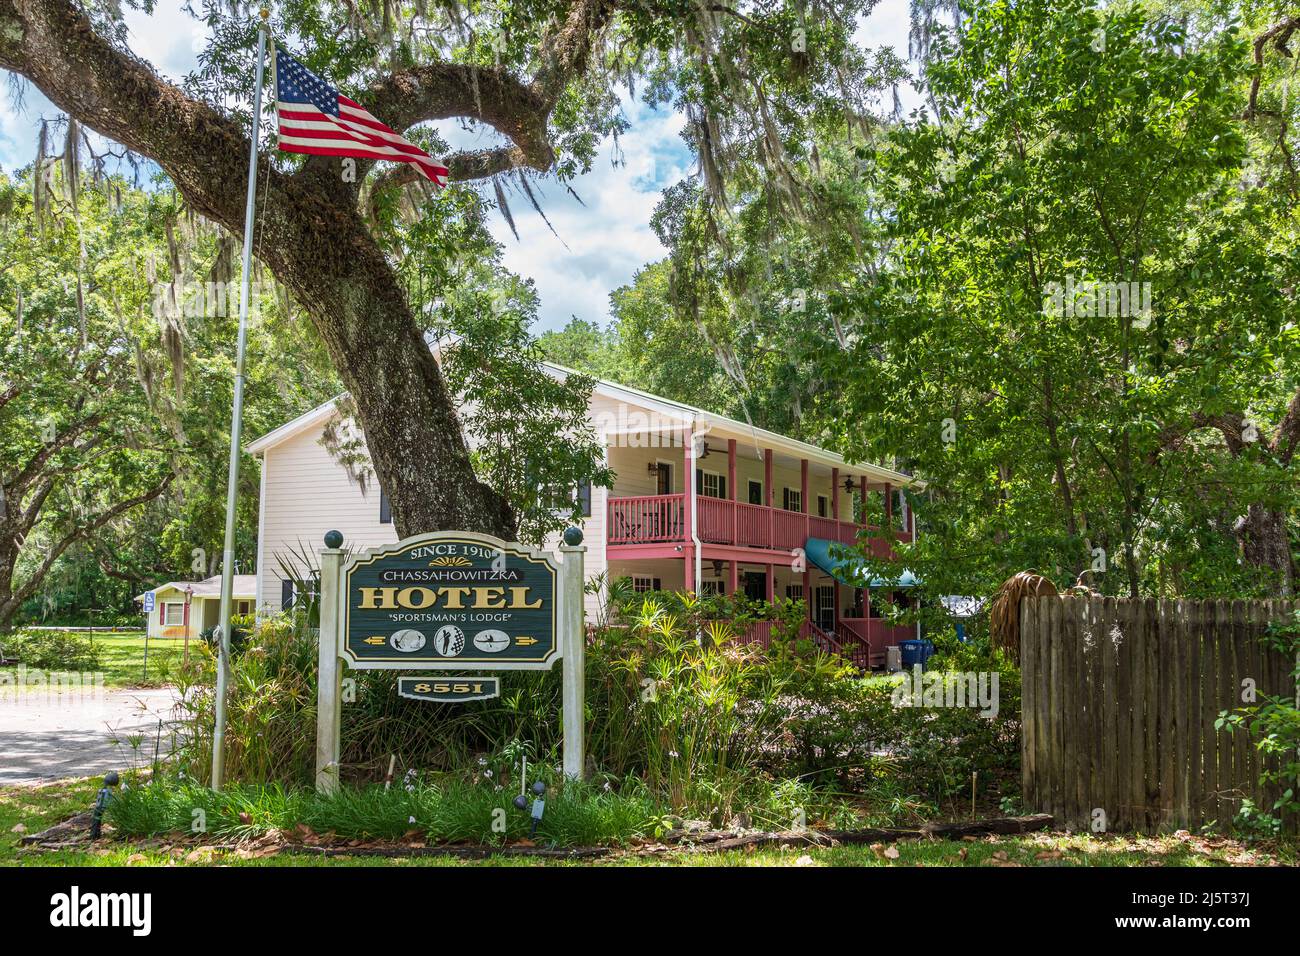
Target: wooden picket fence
(1120, 699)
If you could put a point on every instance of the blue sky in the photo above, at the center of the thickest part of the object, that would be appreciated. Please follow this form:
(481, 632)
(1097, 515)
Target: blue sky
(604, 242)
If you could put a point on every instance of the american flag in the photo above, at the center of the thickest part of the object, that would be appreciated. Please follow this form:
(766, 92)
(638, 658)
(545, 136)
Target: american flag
(316, 118)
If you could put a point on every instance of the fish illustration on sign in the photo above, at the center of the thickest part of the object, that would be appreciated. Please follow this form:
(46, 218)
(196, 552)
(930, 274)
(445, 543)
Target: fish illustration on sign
(491, 641)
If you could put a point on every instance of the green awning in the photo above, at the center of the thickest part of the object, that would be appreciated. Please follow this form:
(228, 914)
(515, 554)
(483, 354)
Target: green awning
(849, 568)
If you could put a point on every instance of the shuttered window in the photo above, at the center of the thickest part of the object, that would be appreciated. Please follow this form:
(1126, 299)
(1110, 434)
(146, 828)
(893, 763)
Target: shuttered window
(385, 509)
(709, 484)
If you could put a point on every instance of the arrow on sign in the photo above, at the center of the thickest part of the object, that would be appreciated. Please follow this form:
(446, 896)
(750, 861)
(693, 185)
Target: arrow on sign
(374, 640)
(525, 641)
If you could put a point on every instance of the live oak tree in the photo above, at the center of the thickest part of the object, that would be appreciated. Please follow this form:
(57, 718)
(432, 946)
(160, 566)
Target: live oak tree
(1151, 451)
(544, 74)
(127, 285)
(82, 448)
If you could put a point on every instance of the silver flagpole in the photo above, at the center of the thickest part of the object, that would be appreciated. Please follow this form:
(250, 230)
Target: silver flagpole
(236, 427)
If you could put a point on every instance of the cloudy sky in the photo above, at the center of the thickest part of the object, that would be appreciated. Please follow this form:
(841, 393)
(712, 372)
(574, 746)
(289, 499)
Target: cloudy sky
(604, 242)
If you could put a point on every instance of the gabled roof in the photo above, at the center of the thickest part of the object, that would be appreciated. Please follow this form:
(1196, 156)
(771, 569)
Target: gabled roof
(245, 586)
(688, 414)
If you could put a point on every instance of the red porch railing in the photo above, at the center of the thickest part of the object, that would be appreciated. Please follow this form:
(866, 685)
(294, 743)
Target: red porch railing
(861, 641)
(650, 519)
(655, 519)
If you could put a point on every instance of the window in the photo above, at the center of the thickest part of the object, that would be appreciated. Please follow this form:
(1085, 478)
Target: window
(823, 506)
(286, 595)
(566, 499)
(792, 499)
(641, 584)
(712, 587)
(794, 592)
(385, 508)
(173, 614)
(755, 492)
(709, 484)
(243, 607)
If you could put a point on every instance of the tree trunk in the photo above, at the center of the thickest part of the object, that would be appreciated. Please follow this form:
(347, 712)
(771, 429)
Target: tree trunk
(411, 428)
(1264, 543)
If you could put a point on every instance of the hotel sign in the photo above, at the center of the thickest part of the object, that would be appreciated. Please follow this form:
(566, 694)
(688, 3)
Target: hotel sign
(450, 601)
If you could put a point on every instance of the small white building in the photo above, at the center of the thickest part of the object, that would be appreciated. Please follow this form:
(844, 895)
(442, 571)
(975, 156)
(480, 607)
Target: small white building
(188, 608)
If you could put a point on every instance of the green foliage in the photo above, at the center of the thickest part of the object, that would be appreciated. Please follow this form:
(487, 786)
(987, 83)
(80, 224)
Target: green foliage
(713, 728)
(1274, 726)
(904, 310)
(52, 650)
(117, 332)
(447, 810)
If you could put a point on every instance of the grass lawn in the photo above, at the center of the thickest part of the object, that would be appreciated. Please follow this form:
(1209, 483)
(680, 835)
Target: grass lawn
(37, 807)
(122, 659)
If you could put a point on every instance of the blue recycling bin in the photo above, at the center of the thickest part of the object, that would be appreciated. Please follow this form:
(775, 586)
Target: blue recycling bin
(916, 652)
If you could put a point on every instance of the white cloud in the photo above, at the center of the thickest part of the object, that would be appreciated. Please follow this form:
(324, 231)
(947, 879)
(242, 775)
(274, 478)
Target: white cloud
(609, 237)
(169, 38)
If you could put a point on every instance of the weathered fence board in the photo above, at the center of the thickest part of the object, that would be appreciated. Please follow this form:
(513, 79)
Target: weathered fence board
(1120, 701)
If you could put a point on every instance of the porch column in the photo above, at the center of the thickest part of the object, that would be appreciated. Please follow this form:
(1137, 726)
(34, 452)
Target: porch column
(767, 476)
(767, 493)
(889, 506)
(688, 512)
(771, 582)
(803, 497)
(733, 581)
(731, 488)
(835, 493)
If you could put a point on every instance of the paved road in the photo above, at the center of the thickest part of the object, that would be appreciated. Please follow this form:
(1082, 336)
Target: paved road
(55, 734)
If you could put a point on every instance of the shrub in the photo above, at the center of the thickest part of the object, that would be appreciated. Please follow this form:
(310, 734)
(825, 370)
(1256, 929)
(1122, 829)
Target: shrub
(53, 650)
(713, 727)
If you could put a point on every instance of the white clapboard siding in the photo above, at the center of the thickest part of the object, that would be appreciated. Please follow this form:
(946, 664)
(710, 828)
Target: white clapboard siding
(308, 493)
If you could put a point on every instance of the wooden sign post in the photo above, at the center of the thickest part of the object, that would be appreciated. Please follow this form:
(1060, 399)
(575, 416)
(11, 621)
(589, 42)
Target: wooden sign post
(451, 600)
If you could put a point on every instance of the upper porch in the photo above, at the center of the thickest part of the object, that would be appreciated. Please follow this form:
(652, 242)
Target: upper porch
(747, 493)
(645, 521)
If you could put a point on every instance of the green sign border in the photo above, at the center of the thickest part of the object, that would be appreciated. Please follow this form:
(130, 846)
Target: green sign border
(458, 663)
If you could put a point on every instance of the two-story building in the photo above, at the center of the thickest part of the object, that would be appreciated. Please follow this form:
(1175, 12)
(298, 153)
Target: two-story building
(699, 502)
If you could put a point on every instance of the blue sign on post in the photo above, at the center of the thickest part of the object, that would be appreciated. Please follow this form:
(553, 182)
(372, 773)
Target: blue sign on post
(148, 602)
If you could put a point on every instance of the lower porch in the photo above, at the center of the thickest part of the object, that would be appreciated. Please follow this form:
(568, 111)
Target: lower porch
(841, 619)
